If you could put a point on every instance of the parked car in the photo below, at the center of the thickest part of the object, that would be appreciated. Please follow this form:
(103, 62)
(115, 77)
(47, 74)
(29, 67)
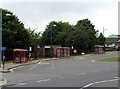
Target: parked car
(109, 48)
(118, 49)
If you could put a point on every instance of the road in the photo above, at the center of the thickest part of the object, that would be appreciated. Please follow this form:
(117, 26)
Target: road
(78, 71)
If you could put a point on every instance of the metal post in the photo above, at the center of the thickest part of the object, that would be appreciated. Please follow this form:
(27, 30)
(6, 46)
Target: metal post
(3, 62)
(0, 37)
(51, 44)
(104, 36)
(103, 31)
(51, 41)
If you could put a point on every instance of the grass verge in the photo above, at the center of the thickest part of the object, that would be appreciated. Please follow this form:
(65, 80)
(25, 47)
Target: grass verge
(114, 59)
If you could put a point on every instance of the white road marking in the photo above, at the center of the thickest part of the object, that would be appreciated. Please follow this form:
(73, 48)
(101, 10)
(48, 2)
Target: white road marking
(11, 70)
(15, 68)
(22, 83)
(39, 81)
(39, 62)
(98, 83)
(33, 67)
(116, 77)
(45, 80)
(113, 80)
(87, 85)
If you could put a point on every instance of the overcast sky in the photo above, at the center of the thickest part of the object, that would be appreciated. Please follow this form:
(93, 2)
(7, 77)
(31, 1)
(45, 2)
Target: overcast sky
(38, 13)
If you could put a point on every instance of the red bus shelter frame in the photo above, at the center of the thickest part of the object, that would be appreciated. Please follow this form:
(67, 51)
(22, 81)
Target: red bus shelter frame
(20, 52)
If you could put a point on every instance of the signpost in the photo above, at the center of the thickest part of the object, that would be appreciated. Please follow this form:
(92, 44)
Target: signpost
(3, 48)
(3, 57)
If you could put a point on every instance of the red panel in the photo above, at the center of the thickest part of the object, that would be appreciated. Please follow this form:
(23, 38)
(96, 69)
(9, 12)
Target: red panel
(57, 53)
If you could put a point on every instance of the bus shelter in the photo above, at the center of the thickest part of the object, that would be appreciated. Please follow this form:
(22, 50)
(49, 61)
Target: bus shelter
(20, 56)
(99, 49)
(62, 52)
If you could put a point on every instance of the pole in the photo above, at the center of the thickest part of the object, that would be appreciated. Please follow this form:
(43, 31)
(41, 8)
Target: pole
(51, 25)
(0, 36)
(3, 62)
(103, 31)
(51, 42)
(51, 45)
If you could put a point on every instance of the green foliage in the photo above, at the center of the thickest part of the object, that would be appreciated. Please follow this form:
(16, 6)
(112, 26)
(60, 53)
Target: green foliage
(88, 27)
(35, 37)
(79, 40)
(14, 35)
(60, 38)
(58, 31)
(81, 36)
(85, 23)
(101, 39)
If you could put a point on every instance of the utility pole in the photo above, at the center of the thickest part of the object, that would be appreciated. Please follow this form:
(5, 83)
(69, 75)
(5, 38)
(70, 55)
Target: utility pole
(104, 30)
(51, 55)
(0, 36)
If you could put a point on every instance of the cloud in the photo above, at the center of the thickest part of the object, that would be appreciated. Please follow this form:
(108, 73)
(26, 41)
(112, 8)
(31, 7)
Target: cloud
(108, 19)
(39, 14)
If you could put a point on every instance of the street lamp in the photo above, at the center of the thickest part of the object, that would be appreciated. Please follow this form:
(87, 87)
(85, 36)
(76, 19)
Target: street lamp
(104, 30)
(104, 36)
(0, 36)
(51, 43)
(2, 57)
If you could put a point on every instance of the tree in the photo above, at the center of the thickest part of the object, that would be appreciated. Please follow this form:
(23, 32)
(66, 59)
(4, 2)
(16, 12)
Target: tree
(79, 40)
(88, 27)
(35, 37)
(60, 31)
(14, 35)
(101, 39)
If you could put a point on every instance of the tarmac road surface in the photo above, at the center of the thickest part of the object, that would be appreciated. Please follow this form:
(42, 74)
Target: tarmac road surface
(77, 71)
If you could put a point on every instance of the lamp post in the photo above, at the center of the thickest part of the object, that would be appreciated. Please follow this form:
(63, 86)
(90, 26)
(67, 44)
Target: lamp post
(103, 36)
(104, 30)
(2, 57)
(51, 42)
(0, 36)
(51, 51)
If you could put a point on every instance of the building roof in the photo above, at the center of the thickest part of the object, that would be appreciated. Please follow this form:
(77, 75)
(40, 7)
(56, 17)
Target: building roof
(20, 50)
(113, 36)
(112, 39)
